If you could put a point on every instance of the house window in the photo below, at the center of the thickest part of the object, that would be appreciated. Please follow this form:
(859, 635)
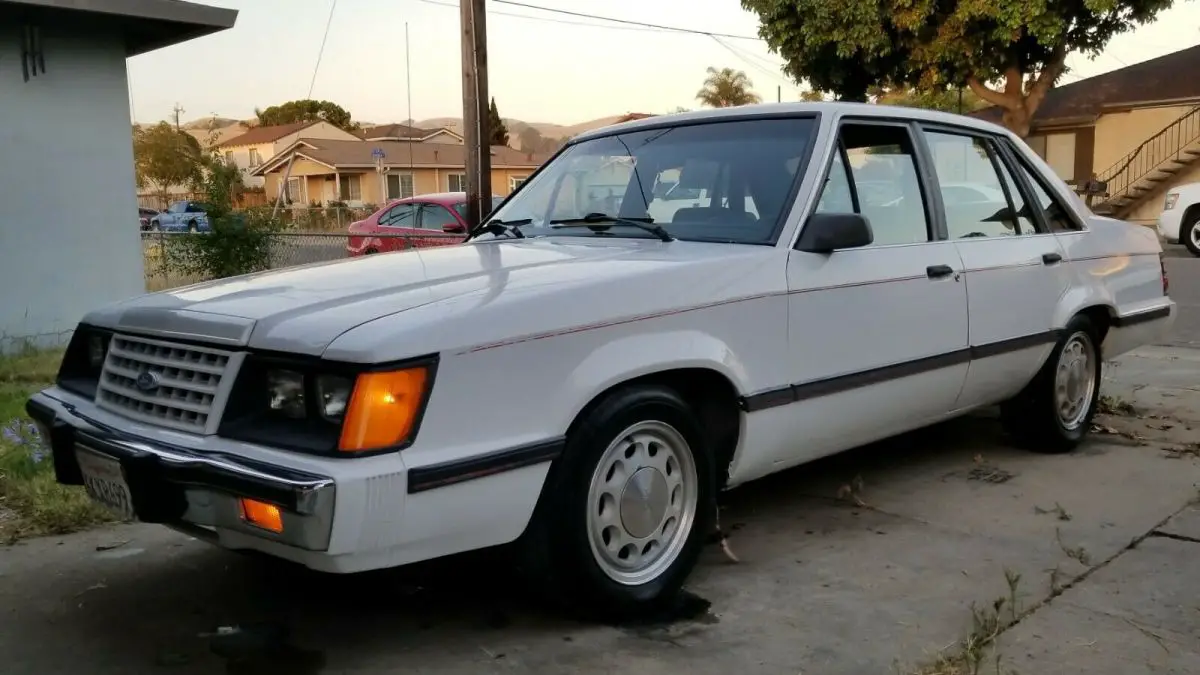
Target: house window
(457, 182)
(351, 188)
(229, 157)
(400, 185)
(1059, 152)
(255, 159)
(515, 182)
(296, 191)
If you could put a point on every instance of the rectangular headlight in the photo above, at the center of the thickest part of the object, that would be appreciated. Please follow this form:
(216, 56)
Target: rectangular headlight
(327, 408)
(1172, 197)
(84, 360)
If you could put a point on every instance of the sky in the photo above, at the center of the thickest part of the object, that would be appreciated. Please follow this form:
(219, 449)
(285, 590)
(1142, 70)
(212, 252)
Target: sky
(543, 67)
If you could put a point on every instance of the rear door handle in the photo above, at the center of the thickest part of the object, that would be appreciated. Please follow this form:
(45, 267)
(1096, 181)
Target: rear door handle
(1051, 258)
(939, 271)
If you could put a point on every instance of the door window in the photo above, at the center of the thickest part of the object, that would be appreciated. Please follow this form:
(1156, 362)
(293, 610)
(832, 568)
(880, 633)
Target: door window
(434, 217)
(978, 200)
(1055, 213)
(874, 173)
(400, 215)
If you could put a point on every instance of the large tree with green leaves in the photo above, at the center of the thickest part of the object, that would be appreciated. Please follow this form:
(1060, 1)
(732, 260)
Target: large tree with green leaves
(496, 126)
(306, 110)
(164, 157)
(946, 100)
(1008, 52)
(725, 88)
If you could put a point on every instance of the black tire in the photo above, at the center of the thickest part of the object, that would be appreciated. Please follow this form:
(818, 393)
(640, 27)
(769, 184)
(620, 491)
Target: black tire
(1188, 234)
(370, 251)
(192, 227)
(555, 552)
(1032, 417)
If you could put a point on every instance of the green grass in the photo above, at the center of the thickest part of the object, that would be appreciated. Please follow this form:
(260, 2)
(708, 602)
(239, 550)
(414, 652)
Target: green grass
(31, 502)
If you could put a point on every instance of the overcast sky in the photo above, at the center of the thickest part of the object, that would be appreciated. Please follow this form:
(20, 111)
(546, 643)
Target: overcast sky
(551, 68)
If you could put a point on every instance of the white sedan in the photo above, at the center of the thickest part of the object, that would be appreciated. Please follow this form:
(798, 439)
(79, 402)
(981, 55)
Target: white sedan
(581, 383)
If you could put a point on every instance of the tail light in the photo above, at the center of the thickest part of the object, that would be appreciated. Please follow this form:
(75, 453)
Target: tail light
(1162, 266)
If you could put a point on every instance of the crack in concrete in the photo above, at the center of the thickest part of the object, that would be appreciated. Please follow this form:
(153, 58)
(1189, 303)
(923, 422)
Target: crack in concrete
(1176, 537)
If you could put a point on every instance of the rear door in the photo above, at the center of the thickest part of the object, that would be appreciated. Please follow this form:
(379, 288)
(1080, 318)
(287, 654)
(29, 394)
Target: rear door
(397, 227)
(1013, 266)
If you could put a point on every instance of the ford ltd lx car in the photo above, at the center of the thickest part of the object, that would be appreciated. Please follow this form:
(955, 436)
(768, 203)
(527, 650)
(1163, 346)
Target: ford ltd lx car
(579, 383)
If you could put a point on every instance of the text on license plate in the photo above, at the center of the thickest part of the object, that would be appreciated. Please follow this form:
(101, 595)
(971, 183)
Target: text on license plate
(105, 483)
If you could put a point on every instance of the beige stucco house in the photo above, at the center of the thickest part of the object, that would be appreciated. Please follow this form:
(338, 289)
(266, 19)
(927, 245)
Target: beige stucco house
(325, 170)
(404, 132)
(1137, 129)
(249, 150)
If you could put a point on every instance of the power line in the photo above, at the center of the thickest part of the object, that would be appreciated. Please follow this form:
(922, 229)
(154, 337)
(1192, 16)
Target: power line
(675, 29)
(321, 51)
(547, 19)
(761, 69)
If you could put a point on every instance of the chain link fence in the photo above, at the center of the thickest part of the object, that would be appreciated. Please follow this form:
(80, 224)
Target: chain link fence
(286, 249)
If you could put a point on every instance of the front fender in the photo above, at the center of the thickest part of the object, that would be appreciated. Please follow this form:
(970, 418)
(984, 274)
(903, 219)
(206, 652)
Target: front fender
(635, 356)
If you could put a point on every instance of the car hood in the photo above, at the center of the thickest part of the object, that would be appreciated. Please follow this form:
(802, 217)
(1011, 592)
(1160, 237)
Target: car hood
(303, 309)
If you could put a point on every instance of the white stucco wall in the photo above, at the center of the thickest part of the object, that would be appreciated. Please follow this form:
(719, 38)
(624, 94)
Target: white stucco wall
(68, 214)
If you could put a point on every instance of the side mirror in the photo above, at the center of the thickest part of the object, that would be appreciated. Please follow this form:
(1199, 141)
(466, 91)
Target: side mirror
(454, 228)
(827, 232)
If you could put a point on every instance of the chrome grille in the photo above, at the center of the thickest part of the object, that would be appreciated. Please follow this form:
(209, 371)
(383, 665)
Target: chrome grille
(185, 385)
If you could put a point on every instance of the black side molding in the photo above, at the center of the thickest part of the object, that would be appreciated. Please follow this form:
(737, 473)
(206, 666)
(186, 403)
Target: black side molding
(434, 476)
(1141, 317)
(834, 385)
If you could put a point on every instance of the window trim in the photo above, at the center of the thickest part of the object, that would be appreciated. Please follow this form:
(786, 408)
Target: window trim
(511, 179)
(463, 180)
(1029, 170)
(935, 226)
(400, 176)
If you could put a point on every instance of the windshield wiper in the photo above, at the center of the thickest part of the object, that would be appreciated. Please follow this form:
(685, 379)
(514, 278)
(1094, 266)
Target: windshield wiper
(593, 219)
(499, 227)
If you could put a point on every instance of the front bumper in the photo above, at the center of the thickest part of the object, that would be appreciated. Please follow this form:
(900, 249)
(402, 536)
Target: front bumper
(1168, 225)
(183, 488)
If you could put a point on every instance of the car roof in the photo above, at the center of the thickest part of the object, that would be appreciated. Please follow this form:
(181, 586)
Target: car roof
(443, 198)
(799, 109)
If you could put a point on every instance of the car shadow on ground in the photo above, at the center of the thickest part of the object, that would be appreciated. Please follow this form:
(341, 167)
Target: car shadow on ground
(203, 608)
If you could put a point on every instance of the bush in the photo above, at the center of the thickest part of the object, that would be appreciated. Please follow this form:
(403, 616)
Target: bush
(238, 243)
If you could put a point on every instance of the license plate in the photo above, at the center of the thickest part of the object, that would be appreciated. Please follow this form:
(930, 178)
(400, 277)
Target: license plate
(105, 483)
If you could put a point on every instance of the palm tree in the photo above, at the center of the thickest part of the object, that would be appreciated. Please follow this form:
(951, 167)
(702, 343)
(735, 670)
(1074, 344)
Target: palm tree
(725, 88)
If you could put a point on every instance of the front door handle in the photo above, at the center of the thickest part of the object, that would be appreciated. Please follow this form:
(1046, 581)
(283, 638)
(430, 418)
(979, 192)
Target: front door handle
(939, 271)
(1051, 258)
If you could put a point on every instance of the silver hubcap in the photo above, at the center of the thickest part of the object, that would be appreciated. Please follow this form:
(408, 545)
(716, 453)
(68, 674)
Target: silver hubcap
(1195, 235)
(1075, 380)
(642, 503)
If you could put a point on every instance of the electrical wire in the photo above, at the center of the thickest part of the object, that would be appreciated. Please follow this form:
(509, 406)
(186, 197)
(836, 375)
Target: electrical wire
(777, 76)
(321, 51)
(547, 19)
(675, 29)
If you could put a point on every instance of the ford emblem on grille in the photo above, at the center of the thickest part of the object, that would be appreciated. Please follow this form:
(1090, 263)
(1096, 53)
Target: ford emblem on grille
(147, 381)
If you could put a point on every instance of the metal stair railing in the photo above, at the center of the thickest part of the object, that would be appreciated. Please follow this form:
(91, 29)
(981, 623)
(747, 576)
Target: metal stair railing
(1166, 145)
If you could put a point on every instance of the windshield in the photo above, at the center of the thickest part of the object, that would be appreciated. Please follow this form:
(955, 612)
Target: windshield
(721, 181)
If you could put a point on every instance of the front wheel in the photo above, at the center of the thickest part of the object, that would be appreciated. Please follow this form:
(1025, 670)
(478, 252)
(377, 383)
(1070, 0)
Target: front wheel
(626, 509)
(1189, 233)
(1054, 412)
(192, 227)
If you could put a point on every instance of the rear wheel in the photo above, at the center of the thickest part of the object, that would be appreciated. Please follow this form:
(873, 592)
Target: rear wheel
(625, 510)
(192, 227)
(370, 251)
(1055, 411)
(1189, 233)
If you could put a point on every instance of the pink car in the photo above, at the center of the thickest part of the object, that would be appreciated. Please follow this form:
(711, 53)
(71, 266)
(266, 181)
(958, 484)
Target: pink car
(412, 222)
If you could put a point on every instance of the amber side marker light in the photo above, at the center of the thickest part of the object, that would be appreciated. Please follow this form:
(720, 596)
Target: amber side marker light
(261, 514)
(383, 409)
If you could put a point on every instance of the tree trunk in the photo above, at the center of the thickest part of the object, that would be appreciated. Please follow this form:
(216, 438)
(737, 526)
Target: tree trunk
(1018, 120)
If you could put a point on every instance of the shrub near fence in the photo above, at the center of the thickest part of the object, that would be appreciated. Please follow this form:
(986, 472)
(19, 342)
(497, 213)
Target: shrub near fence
(164, 252)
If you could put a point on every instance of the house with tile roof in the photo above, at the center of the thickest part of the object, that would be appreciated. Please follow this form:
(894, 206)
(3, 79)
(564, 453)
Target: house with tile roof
(1137, 129)
(362, 172)
(249, 150)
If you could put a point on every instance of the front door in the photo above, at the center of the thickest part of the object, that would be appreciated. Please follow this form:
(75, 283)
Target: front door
(877, 335)
(1013, 266)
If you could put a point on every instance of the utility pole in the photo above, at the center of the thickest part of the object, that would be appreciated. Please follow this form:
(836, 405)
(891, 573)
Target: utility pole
(476, 134)
(779, 93)
(178, 109)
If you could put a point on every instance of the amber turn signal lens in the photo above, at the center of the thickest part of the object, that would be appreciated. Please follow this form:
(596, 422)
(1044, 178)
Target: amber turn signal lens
(261, 514)
(383, 409)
